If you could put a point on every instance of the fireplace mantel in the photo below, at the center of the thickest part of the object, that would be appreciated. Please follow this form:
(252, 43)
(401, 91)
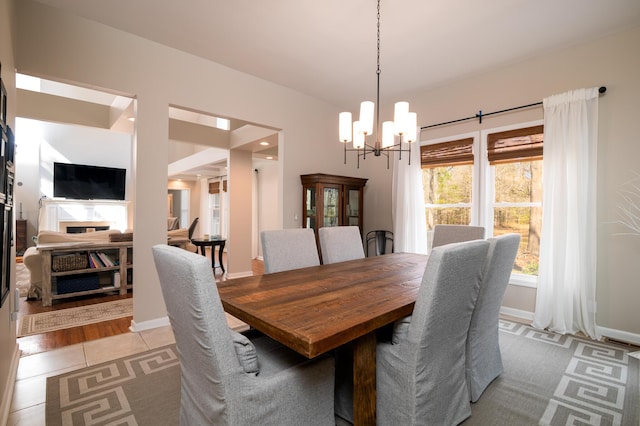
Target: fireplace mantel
(57, 214)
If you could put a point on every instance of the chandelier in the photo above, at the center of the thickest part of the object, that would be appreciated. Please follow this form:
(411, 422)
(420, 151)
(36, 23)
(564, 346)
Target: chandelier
(403, 126)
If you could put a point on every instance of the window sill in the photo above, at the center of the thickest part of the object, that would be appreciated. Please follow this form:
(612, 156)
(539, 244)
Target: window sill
(524, 280)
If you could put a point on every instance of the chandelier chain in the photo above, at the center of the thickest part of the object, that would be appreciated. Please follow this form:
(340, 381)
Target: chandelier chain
(378, 46)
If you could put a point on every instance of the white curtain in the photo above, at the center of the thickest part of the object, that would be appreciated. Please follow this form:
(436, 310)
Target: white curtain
(409, 220)
(565, 300)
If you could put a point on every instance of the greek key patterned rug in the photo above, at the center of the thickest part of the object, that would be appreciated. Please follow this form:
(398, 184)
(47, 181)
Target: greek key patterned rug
(549, 379)
(554, 379)
(74, 317)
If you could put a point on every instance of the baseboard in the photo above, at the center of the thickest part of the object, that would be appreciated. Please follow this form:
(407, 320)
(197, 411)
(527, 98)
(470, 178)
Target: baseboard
(148, 325)
(239, 274)
(7, 393)
(611, 333)
(619, 335)
(517, 313)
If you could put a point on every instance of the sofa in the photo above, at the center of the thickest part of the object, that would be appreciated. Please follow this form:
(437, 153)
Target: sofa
(33, 260)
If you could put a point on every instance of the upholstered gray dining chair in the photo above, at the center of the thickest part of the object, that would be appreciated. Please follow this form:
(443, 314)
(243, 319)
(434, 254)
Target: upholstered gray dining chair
(340, 243)
(286, 249)
(226, 378)
(484, 362)
(447, 234)
(420, 373)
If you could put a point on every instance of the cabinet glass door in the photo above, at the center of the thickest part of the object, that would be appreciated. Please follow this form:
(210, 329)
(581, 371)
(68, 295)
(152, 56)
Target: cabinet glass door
(352, 211)
(331, 197)
(310, 207)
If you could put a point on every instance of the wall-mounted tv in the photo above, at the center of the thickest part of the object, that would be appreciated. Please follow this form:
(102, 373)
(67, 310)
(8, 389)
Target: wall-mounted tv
(84, 182)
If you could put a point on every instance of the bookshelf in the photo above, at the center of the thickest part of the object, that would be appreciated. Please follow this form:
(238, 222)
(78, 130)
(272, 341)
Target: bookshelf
(80, 269)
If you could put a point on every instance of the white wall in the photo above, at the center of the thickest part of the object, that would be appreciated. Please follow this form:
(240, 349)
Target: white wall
(266, 199)
(40, 144)
(613, 62)
(63, 47)
(57, 46)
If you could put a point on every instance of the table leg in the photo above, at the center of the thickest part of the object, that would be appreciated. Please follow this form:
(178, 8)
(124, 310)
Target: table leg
(364, 380)
(203, 250)
(220, 250)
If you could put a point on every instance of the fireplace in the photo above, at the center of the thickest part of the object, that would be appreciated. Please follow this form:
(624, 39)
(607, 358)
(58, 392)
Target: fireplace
(82, 215)
(84, 229)
(77, 227)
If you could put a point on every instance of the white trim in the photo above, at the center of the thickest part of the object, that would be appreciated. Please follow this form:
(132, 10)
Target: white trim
(7, 394)
(148, 325)
(620, 335)
(239, 274)
(522, 280)
(518, 313)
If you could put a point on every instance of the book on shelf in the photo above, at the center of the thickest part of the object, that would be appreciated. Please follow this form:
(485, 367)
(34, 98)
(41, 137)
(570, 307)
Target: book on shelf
(105, 258)
(94, 261)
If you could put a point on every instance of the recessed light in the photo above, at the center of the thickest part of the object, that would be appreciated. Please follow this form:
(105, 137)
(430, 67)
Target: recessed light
(264, 143)
(131, 119)
(269, 158)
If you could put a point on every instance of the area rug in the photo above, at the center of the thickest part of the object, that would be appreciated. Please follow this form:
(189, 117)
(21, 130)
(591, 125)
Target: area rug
(549, 379)
(142, 389)
(554, 379)
(74, 317)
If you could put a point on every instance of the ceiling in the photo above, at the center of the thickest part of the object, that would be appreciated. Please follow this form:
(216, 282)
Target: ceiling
(327, 49)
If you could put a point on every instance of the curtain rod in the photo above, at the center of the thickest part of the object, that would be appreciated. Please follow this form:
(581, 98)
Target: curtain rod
(479, 115)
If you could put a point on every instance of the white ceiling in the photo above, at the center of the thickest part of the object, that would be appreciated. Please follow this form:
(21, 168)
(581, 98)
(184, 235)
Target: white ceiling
(327, 49)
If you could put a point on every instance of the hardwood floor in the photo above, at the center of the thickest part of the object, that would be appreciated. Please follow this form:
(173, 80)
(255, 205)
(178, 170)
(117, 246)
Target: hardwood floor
(37, 343)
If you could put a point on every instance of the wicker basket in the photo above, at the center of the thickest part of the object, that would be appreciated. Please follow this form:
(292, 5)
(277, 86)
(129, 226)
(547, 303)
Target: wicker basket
(69, 262)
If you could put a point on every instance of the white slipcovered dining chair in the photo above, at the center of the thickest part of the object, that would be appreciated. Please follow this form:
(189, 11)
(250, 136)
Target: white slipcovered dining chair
(484, 362)
(340, 243)
(420, 373)
(227, 379)
(447, 234)
(287, 249)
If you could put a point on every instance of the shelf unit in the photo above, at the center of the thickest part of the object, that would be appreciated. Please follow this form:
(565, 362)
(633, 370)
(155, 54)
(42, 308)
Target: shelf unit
(21, 236)
(124, 268)
(330, 200)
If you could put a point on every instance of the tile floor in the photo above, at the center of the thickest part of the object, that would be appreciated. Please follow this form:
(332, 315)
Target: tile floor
(28, 404)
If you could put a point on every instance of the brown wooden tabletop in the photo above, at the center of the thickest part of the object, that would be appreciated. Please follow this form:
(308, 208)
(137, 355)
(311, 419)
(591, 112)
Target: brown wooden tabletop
(317, 309)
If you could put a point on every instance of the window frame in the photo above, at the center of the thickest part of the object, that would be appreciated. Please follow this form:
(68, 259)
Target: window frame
(475, 213)
(483, 186)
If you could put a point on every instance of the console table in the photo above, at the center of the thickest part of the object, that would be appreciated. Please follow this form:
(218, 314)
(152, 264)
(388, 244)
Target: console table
(50, 251)
(213, 243)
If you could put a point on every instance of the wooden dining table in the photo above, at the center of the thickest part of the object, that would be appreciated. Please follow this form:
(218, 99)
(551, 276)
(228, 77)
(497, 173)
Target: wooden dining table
(317, 309)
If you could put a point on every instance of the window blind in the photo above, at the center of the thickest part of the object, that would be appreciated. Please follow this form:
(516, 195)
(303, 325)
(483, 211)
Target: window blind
(214, 187)
(451, 153)
(515, 145)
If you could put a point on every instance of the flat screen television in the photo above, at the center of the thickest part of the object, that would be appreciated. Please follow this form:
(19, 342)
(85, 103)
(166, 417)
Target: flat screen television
(84, 182)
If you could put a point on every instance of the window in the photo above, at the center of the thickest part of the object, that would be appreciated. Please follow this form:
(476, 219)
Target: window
(500, 187)
(448, 183)
(219, 208)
